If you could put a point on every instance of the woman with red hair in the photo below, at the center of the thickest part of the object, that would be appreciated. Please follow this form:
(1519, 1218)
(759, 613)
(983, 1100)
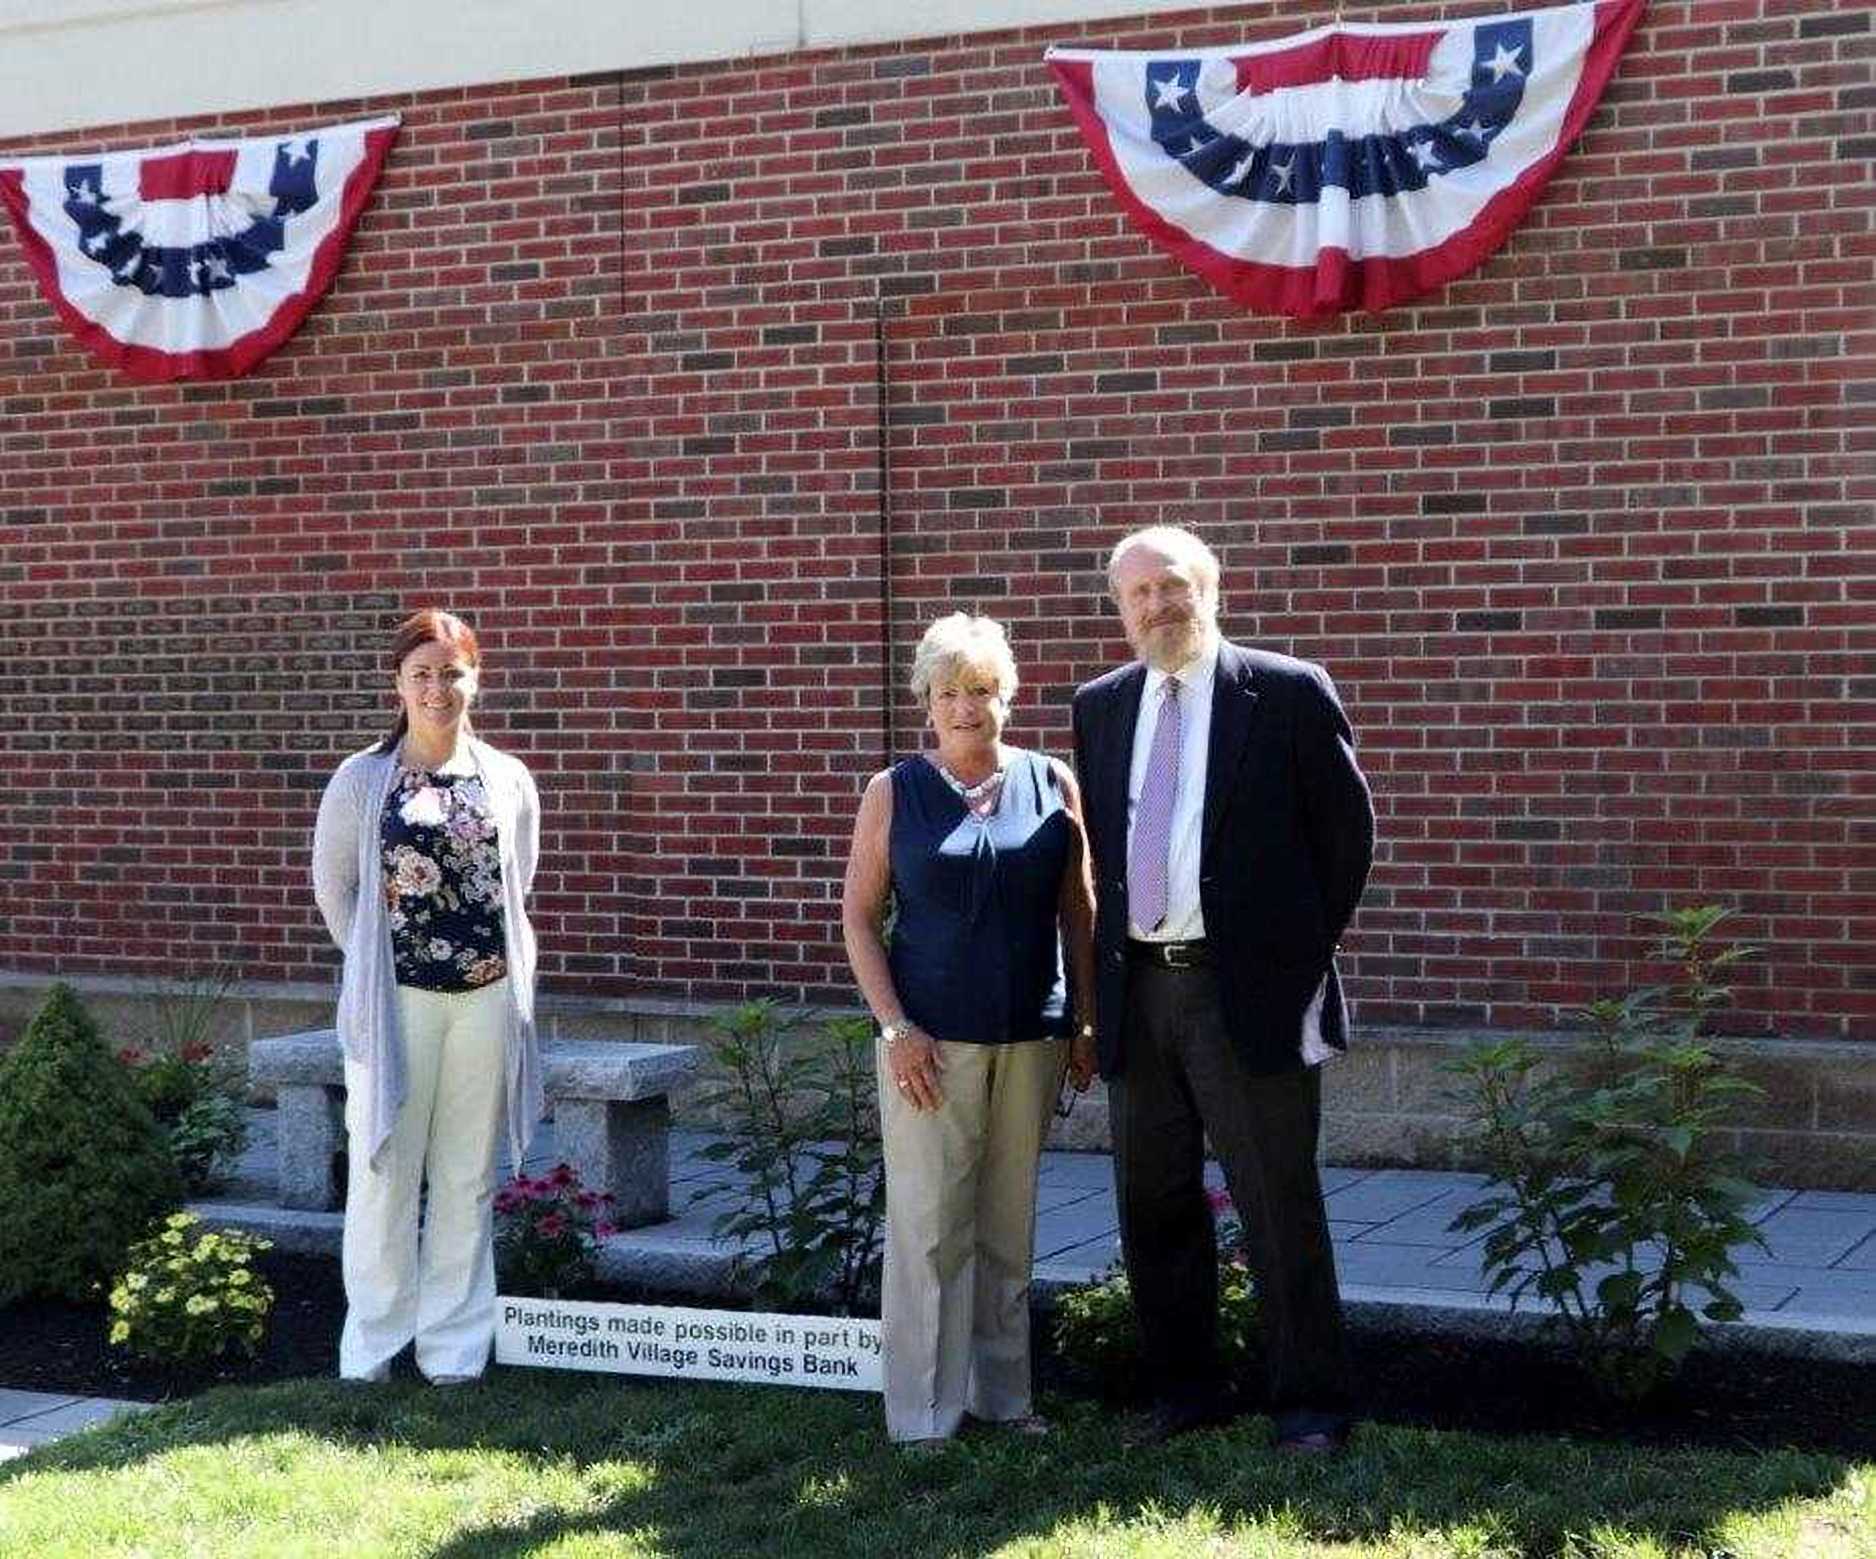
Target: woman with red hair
(422, 859)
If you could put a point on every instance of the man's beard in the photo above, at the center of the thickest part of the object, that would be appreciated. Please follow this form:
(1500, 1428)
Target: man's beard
(1170, 645)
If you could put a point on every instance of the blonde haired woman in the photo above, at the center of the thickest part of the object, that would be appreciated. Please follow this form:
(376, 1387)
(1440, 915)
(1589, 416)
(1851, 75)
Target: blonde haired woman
(978, 847)
(422, 859)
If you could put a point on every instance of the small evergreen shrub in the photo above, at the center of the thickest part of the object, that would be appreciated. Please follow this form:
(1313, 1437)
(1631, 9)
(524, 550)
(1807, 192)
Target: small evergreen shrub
(83, 1166)
(189, 1295)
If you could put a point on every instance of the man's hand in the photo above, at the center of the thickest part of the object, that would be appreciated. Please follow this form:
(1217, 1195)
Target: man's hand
(1081, 1062)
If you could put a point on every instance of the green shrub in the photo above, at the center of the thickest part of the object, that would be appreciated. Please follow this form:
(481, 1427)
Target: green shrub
(83, 1166)
(1614, 1197)
(194, 1090)
(1096, 1332)
(802, 1126)
(168, 1083)
(188, 1297)
(207, 1139)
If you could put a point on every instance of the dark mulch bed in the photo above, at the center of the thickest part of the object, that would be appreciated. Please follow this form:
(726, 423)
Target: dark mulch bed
(1724, 1400)
(48, 1346)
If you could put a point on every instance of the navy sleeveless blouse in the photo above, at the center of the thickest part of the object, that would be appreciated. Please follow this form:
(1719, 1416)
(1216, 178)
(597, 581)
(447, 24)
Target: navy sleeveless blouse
(975, 953)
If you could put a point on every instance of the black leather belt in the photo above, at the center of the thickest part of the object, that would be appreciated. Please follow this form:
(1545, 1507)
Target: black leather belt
(1170, 955)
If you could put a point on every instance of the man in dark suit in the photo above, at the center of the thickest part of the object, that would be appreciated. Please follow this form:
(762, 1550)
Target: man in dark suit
(1232, 832)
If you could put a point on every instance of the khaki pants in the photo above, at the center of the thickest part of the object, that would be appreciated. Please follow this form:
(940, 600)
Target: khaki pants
(961, 1234)
(441, 1292)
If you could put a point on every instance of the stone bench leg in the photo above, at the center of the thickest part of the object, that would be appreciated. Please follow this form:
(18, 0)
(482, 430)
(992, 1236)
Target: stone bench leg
(312, 1136)
(624, 1148)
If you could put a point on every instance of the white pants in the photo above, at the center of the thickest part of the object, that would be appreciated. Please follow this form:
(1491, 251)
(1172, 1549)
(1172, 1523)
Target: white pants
(961, 1236)
(440, 1291)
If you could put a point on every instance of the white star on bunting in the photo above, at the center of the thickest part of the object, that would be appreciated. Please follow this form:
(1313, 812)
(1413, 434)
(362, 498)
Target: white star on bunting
(1504, 62)
(1171, 93)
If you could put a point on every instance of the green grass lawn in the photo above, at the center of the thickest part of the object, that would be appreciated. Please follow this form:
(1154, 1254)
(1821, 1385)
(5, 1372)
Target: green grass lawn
(565, 1465)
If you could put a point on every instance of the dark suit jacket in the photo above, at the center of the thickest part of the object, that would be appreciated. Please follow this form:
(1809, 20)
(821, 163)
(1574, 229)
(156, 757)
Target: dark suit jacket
(1288, 839)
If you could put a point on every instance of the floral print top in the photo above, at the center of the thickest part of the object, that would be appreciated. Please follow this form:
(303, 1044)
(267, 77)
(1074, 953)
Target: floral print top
(443, 881)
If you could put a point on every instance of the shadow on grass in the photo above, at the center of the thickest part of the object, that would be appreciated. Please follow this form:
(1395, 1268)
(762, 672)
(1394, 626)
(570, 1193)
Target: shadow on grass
(725, 1470)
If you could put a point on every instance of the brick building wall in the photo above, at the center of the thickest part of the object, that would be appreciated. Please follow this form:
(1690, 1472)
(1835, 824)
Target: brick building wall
(701, 412)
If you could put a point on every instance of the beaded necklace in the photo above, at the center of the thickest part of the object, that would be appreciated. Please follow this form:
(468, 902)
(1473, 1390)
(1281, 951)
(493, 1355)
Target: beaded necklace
(980, 800)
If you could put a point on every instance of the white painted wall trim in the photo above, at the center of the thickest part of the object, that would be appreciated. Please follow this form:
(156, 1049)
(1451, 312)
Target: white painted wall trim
(73, 64)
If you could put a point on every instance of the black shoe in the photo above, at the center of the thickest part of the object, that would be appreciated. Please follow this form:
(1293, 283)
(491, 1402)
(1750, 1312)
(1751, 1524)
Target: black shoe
(1178, 1416)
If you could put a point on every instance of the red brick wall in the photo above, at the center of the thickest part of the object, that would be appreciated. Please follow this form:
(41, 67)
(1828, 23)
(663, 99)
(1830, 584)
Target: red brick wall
(1586, 539)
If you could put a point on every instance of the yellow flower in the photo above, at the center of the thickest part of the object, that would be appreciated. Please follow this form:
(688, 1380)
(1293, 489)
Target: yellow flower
(120, 1332)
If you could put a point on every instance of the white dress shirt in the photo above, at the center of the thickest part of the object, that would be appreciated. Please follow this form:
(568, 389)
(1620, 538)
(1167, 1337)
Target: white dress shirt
(1185, 917)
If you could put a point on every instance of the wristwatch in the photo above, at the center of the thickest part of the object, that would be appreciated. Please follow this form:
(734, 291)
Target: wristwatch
(1086, 1031)
(892, 1031)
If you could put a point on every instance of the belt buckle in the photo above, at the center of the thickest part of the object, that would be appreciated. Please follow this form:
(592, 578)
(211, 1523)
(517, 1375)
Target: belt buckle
(1178, 955)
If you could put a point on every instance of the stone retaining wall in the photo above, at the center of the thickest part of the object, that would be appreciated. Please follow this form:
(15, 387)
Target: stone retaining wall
(1385, 1102)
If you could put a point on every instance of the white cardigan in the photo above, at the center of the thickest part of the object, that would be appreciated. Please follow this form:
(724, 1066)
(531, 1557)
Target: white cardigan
(348, 877)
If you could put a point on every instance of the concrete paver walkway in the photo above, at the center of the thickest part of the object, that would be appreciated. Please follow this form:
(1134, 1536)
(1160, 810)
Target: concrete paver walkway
(1813, 1288)
(32, 1418)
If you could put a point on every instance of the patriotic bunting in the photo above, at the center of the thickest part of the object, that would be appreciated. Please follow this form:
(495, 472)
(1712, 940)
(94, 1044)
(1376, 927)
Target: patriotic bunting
(194, 261)
(1354, 166)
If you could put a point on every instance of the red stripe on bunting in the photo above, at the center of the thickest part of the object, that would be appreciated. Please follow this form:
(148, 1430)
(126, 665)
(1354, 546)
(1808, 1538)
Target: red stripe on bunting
(235, 359)
(1400, 57)
(185, 174)
(1338, 281)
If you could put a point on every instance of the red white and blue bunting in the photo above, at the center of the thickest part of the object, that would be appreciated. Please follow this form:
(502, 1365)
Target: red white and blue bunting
(1354, 166)
(194, 261)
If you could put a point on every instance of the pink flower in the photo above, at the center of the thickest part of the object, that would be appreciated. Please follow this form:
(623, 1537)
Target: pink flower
(197, 1050)
(603, 1230)
(562, 1175)
(1220, 1200)
(553, 1226)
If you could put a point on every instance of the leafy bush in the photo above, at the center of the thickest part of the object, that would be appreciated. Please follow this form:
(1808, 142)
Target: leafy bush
(82, 1164)
(802, 1124)
(207, 1140)
(187, 1298)
(194, 1090)
(547, 1232)
(1613, 1197)
(1096, 1330)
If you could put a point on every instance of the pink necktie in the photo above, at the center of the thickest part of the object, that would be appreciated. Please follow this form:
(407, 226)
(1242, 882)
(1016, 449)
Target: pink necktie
(1152, 819)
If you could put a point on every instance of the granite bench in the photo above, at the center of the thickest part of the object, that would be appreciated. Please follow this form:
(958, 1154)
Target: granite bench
(611, 1114)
